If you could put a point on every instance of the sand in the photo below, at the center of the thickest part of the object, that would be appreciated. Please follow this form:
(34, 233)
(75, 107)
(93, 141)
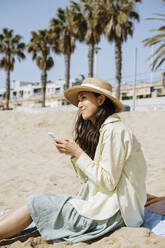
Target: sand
(29, 163)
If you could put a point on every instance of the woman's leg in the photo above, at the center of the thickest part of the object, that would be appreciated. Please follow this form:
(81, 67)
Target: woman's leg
(9, 211)
(14, 222)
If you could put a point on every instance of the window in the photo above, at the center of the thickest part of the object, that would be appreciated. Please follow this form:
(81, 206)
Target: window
(159, 91)
(57, 90)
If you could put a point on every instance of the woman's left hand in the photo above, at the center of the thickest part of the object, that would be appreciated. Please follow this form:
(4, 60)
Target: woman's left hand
(68, 146)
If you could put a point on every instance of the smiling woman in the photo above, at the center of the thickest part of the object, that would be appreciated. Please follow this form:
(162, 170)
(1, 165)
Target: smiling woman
(88, 104)
(108, 159)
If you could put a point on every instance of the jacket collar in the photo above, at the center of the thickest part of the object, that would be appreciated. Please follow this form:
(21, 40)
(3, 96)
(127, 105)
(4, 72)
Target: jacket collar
(111, 119)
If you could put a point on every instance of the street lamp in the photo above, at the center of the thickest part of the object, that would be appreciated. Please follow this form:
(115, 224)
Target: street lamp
(134, 86)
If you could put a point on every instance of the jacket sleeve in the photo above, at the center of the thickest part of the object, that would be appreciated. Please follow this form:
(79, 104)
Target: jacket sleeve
(78, 171)
(116, 146)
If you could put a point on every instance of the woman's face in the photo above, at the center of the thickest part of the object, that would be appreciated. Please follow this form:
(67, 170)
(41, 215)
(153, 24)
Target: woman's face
(88, 104)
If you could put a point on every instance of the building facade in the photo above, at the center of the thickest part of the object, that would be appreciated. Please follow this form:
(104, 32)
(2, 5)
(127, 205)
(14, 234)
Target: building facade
(143, 90)
(29, 93)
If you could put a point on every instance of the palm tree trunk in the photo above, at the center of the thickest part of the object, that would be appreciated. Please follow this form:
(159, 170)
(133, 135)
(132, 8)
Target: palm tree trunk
(44, 81)
(90, 60)
(67, 71)
(7, 89)
(118, 61)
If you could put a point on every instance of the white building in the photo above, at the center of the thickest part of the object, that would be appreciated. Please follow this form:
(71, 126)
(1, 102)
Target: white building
(22, 92)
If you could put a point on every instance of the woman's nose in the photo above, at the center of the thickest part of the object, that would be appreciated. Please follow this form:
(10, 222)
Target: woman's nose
(79, 104)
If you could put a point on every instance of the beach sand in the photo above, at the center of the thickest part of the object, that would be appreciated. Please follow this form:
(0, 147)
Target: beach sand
(30, 163)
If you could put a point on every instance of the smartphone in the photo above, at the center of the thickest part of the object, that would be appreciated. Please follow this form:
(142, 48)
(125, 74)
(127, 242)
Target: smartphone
(51, 134)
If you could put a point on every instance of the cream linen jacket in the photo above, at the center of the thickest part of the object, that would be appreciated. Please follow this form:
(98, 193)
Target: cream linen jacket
(116, 176)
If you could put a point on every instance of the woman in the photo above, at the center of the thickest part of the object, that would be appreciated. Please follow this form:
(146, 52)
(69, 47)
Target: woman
(107, 157)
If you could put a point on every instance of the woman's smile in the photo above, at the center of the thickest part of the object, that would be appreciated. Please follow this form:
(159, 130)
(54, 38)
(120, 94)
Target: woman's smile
(81, 110)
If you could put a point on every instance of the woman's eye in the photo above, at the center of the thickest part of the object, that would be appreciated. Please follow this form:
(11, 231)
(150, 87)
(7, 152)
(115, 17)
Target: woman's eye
(81, 98)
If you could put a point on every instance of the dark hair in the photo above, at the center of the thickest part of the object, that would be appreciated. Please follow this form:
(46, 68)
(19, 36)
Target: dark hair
(87, 134)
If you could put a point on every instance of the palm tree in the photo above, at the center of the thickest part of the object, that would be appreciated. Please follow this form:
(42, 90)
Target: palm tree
(10, 47)
(93, 29)
(40, 47)
(69, 26)
(159, 54)
(117, 16)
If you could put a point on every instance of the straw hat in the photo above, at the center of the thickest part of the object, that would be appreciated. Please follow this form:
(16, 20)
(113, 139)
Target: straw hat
(93, 85)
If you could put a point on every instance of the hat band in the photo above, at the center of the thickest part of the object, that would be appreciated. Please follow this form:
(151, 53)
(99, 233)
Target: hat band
(98, 88)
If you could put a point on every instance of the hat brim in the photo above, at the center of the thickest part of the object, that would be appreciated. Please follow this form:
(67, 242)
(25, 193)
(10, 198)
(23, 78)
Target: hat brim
(71, 95)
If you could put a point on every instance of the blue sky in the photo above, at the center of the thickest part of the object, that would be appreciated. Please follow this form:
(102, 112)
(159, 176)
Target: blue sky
(25, 16)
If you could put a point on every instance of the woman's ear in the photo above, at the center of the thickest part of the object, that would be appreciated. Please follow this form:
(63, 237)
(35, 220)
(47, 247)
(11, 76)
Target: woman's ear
(101, 99)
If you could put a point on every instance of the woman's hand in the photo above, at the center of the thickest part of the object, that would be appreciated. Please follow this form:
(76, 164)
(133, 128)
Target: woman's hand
(68, 146)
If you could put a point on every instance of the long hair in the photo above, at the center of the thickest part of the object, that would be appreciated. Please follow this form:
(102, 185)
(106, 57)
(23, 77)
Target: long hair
(87, 134)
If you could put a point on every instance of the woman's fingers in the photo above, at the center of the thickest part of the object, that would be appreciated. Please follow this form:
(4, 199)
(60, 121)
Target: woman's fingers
(57, 141)
(60, 146)
(68, 146)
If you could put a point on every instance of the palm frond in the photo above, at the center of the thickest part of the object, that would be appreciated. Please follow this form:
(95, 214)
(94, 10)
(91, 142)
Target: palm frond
(159, 57)
(159, 54)
(8, 33)
(2, 62)
(21, 46)
(134, 16)
(40, 62)
(154, 18)
(20, 55)
(61, 14)
(49, 63)
(159, 14)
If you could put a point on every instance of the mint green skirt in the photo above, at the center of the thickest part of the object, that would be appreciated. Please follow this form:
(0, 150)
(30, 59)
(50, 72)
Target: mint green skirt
(57, 220)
